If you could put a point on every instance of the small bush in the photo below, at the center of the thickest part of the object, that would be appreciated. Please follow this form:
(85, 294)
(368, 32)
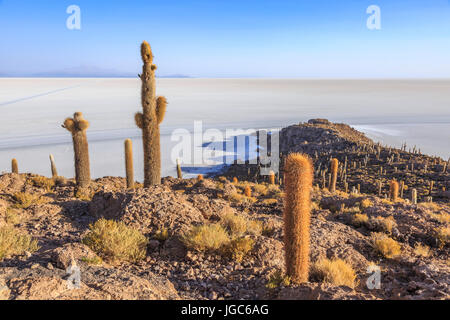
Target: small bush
(260, 190)
(13, 242)
(208, 237)
(442, 217)
(241, 199)
(442, 235)
(387, 247)
(382, 224)
(92, 261)
(43, 182)
(12, 217)
(269, 202)
(161, 235)
(277, 279)
(422, 250)
(335, 271)
(360, 220)
(84, 194)
(366, 203)
(238, 248)
(239, 225)
(25, 200)
(430, 205)
(115, 241)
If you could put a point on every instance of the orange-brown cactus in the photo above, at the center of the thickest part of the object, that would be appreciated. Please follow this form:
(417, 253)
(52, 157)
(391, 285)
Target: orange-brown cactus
(272, 177)
(247, 191)
(393, 190)
(298, 175)
(334, 171)
(14, 166)
(129, 163)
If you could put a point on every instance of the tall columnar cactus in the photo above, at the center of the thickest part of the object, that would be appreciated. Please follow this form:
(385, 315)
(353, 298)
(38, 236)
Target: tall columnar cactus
(334, 171)
(393, 191)
(77, 126)
(14, 166)
(129, 163)
(53, 166)
(299, 175)
(154, 109)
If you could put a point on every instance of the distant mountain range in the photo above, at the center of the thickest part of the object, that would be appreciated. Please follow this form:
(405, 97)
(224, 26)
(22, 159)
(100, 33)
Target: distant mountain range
(84, 72)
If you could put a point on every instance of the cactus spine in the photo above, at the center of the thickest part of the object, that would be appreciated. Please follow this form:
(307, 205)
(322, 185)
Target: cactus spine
(14, 166)
(129, 163)
(393, 191)
(179, 173)
(53, 166)
(154, 109)
(334, 171)
(297, 212)
(77, 126)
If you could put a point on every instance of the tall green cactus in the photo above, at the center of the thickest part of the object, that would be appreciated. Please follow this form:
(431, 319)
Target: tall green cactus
(154, 109)
(77, 126)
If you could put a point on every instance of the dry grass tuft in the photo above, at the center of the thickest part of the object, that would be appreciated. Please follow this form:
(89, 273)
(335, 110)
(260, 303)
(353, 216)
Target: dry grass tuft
(382, 224)
(238, 225)
(13, 242)
(238, 248)
(387, 247)
(43, 182)
(161, 235)
(442, 235)
(115, 241)
(360, 220)
(335, 271)
(208, 237)
(269, 202)
(25, 200)
(422, 250)
(366, 203)
(277, 279)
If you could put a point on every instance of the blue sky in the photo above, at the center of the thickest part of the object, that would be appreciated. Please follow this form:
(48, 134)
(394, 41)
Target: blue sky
(230, 38)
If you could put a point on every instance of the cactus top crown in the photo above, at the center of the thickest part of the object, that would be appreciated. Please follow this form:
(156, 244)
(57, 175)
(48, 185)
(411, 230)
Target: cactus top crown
(77, 123)
(146, 52)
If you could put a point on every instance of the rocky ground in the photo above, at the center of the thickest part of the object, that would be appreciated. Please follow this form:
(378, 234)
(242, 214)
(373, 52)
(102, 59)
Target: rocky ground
(343, 225)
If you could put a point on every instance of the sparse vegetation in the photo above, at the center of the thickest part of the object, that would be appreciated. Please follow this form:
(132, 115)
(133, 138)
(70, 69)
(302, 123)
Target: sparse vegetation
(365, 203)
(277, 279)
(334, 271)
(14, 242)
(25, 200)
(360, 220)
(442, 236)
(238, 225)
(43, 182)
(238, 248)
(207, 237)
(115, 241)
(385, 246)
(162, 235)
(422, 250)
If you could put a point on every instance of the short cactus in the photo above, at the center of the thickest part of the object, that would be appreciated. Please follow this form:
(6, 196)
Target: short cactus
(414, 196)
(297, 216)
(199, 178)
(179, 172)
(272, 177)
(14, 166)
(129, 163)
(77, 126)
(154, 109)
(334, 171)
(53, 166)
(247, 191)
